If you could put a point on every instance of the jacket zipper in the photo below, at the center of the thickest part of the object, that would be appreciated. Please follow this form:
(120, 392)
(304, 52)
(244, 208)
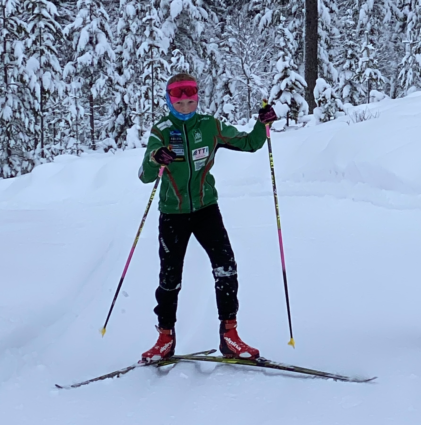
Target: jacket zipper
(190, 170)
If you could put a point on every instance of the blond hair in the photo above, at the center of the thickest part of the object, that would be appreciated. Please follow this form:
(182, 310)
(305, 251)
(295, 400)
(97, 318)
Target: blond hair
(183, 76)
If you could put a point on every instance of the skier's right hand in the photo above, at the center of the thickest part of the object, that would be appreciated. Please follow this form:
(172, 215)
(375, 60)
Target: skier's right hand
(267, 114)
(163, 156)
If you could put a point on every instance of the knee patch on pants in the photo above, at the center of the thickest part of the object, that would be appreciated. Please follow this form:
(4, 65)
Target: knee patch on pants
(224, 271)
(169, 286)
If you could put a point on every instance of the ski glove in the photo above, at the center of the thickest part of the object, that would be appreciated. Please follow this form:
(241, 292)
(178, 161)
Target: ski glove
(163, 156)
(267, 115)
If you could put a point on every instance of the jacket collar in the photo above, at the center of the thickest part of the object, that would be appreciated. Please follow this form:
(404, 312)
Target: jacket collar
(190, 123)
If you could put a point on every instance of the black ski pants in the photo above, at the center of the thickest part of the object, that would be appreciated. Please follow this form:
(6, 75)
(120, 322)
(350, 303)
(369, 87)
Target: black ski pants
(174, 234)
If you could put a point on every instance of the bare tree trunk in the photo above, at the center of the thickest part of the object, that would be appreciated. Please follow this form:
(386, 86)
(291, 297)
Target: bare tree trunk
(91, 118)
(248, 100)
(42, 95)
(91, 84)
(77, 128)
(393, 84)
(367, 40)
(6, 77)
(310, 54)
(4, 53)
(42, 120)
(368, 90)
(153, 88)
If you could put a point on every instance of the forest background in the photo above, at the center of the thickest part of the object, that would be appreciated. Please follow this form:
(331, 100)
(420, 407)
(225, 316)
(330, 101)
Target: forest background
(77, 76)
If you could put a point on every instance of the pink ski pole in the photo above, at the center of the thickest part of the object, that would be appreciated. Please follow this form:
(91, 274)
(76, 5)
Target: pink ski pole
(278, 222)
(155, 187)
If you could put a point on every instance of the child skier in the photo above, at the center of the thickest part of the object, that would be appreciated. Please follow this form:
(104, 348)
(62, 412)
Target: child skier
(185, 143)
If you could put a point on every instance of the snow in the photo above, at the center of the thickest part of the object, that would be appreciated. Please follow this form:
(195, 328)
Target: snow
(133, 138)
(377, 96)
(176, 8)
(350, 203)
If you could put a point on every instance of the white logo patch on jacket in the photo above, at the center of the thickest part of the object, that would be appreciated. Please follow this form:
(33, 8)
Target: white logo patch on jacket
(165, 124)
(200, 153)
(198, 165)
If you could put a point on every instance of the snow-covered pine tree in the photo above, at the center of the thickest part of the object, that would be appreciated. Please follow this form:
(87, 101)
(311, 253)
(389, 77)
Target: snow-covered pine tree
(215, 94)
(17, 124)
(295, 18)
(288, 14)
(246, 52)
(92, 65)
(73, 126)
(391, 47)
(347, 61)
(126, 68)
(66, 11)
(142, 71)
(62, 122)
(369, 31)
(274, 27)
(328, 40)
(178, 62)
(288, 90)
(155, 70)
(113, 13)
(139, 24)
(288, 86)
(368, 74)
(185, 24)
(410, 66)
(44, 70)
(216, 97)
(329, 106)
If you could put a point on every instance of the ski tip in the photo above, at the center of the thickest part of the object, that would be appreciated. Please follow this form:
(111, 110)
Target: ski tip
(291, 343)
(59, 386)
(361, 380)
(103, 330)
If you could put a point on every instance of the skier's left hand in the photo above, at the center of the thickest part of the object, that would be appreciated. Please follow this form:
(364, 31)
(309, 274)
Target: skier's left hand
(267, 115)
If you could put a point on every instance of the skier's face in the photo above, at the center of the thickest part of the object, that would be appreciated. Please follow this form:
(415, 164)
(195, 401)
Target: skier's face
(185, 106)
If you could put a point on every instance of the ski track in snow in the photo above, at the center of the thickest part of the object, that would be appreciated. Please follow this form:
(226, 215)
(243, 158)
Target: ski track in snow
(350, 201)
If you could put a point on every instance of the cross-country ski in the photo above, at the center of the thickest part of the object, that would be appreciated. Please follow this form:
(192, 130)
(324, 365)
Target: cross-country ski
(205, 356)
(117, 373)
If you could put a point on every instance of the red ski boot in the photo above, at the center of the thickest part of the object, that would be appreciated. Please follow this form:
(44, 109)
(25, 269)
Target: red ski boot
(231, 345)
(163, 348)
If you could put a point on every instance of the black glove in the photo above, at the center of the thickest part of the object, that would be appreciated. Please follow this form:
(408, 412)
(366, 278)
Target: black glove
(267, 115)
(163, 156)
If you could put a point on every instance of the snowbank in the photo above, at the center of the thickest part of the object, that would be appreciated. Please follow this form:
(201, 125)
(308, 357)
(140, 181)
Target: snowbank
(377, 160)
(381, 154)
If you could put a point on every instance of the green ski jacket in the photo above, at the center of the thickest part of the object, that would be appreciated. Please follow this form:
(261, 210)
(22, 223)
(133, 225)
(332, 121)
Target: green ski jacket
(187, 184)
